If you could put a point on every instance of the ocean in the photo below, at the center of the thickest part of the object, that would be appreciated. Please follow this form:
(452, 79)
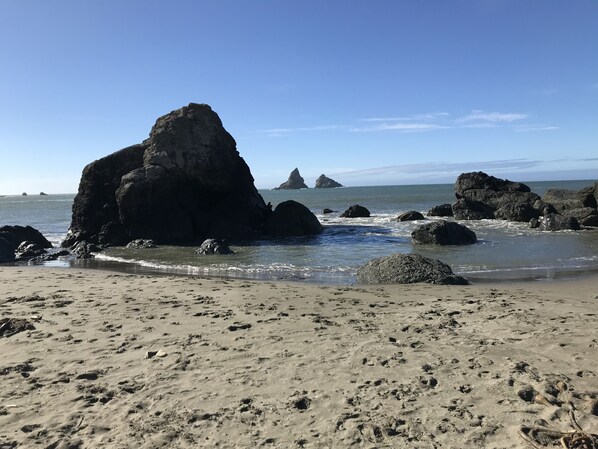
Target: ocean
(505, 250)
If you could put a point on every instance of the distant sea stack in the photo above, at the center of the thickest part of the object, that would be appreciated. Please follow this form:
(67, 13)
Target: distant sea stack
(24, 194)
(324, 182)
(184, 184)
(43, 194)
(295, 181)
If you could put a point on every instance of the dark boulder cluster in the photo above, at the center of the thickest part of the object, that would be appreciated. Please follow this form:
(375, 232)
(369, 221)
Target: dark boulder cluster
(21, 243)
(182, 185)
(480, 196)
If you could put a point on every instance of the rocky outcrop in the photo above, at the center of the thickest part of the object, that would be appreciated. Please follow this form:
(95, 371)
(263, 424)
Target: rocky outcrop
(214, 246)
(28, 250)
(327, 211)
(43, 194)
(183, 184)
(7, 251)
(411, 215)
(291, 218)
(442, 210)
(356, 211)
(15, 235)
(294, 182)
(324, 182)
(141, 244)
(482, 196)
(554, 222)
(407, 269)
(444, 233)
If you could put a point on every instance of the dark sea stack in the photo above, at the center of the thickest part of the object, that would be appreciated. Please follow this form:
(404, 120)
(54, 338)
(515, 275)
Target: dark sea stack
(444, 233)
(183, 184)
(324, 182)
(356, 211)
(477, 188)
(407, 269)
(43, 194)
(24, 194)
(442, 210)
(16, 235)
(291, 218)
(411, 215)
(294, 182)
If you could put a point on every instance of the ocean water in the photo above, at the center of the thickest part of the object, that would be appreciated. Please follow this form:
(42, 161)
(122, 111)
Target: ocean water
(505, 250)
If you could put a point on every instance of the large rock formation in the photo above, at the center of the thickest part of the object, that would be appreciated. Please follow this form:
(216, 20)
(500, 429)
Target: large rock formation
(295, 181)
(581, 205)
(16, 235)
(324, 182)
(183, 184)
(444, 233)
(292, 218)
(484, 196)
(407, 269)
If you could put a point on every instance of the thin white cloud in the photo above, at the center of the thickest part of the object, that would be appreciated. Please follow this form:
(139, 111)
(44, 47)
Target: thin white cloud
(401, 127)
(537, 128)
(493, 117)
(415, 117)
(280, 131)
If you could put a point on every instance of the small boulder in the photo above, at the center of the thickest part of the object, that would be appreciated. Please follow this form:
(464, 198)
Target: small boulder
(84, 250)
(291, 218)
(328, 211)
(141, 244)
(214, 246)
(443, 210)
(324, 182)
(17, 234)
(554, 222)
(294, 182)
(411, 215)
(407, 269)
(444, 233)
(356, 211)
(28, 250)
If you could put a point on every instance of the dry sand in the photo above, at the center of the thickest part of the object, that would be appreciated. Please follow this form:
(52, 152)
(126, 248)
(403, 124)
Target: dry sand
(130, 361)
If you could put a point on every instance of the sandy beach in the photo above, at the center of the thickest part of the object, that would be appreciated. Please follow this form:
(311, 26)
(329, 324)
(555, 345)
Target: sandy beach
(131, 361)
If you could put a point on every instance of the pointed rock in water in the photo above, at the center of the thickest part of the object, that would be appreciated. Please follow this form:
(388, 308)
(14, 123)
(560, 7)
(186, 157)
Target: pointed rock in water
(24, 194)
(324, 182)
(295, 181)
(407, 269)
(43, 194)
(214, 246)
(184, 183)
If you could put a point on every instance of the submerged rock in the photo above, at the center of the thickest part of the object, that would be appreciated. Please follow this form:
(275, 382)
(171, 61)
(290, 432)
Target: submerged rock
(291, 218)
(184, 183)
(214, 246)
(407, 269)
(295, 181)
(411, 215)
(324, 182)
(141, 244)
(356, 211)
(444, 233)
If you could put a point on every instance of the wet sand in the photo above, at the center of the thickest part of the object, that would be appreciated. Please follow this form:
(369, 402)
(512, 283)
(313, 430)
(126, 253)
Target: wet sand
(122, 361)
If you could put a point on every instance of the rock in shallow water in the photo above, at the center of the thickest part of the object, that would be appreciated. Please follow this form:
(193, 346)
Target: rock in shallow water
(214, 246)
(407, 269)
(444, 233)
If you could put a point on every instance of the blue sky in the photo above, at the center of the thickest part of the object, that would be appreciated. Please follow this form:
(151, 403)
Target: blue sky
(367, 92)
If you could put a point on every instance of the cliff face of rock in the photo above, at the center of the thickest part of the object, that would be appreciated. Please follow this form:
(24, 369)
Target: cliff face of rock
(324, 182)
(295, 181)
(184, 184)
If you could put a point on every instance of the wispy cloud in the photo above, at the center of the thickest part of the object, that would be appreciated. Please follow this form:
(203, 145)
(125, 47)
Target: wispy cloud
(493, 117)
(281, 131)
(537, 128)
(402, 127)
(415, 117)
